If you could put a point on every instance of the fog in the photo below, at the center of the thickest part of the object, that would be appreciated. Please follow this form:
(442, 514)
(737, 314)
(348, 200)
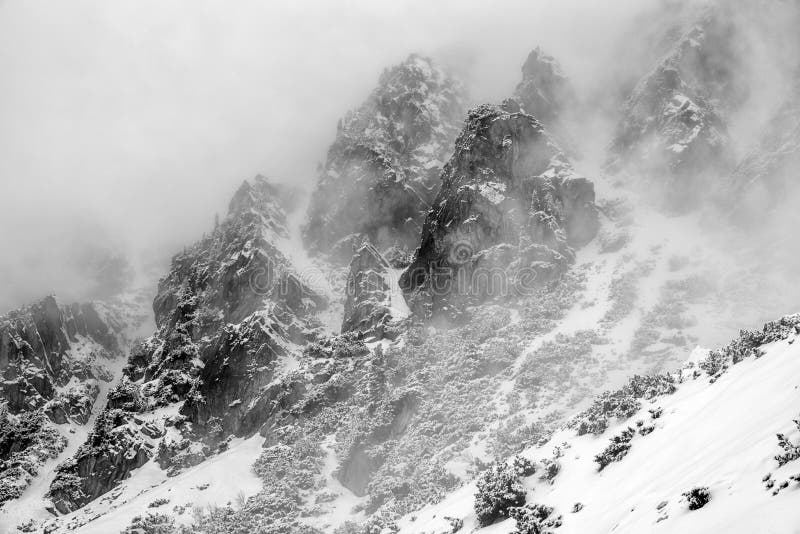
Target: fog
(127, 125)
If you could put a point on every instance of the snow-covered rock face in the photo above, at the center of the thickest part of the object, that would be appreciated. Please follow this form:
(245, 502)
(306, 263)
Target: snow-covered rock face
(510, 207)
(367, 309)
(544, 91)
(45, 346)
(230, 310)
(382, 171)
(673, 133)
(54, 359)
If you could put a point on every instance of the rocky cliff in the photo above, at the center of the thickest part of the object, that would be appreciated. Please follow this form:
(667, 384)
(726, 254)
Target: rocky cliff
(506, 218)
(229, 314)
(382, 171)
(52, 356)
(54, 359)
(368, 306)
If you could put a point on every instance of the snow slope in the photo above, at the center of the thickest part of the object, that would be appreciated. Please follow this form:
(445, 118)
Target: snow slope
(225, 478)
(719, 435)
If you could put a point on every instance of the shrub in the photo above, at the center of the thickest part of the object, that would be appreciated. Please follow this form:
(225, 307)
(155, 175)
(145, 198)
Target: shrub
(161, 501)
(551, 469)
(616, 450)
(500, 489)
(697, 497)
(151, 524)
(791, 451)
(534, 519)
(748, 344)
(456, 524)
(623, 403)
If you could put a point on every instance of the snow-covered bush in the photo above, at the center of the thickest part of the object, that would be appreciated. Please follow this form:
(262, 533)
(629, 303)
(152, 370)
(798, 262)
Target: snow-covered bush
(616, 450)
(126, 396)
(697, 497)
(623, 403)
(161, 501)
(153, 524)
(500, 489)
(456, 524)
(347, 345)
(551, 468)
(748, 344)
(534, 519)
(791, 451)
(515, 434)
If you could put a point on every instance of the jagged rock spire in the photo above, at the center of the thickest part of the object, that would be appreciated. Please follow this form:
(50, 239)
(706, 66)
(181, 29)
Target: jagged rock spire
(509, 204)
(382, 171)
(674, 132)
(544, 91)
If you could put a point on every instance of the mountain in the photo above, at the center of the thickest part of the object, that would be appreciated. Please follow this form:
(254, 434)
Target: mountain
(382, 171)
(467, 333)
(673, 134)
(544, 92)
(228, 316)
(509, 202)
(57, 361)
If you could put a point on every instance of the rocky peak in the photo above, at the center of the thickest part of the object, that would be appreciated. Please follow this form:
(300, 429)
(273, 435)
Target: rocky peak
(510, 206)
(673, 128)
(266, 198)
(382, 171)
(230, 310)
(544, 90)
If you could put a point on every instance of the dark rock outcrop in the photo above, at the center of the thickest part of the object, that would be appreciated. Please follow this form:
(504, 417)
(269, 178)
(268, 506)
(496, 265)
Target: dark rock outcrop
(27, 440)
(508, 213)
(51, 357)
(367, 309)
(230, 308)
(382, 171)
(112, 451)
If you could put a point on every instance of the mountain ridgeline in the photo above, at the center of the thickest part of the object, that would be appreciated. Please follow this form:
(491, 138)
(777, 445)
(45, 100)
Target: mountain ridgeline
(479, 293)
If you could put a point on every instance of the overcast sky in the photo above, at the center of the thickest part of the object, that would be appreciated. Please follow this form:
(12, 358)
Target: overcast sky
(132, 122)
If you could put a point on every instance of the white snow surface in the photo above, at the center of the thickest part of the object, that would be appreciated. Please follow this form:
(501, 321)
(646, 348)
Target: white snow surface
(222, 479)
(718, 435)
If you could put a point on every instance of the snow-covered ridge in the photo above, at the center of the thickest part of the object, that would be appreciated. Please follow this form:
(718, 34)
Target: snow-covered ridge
(716, 431)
